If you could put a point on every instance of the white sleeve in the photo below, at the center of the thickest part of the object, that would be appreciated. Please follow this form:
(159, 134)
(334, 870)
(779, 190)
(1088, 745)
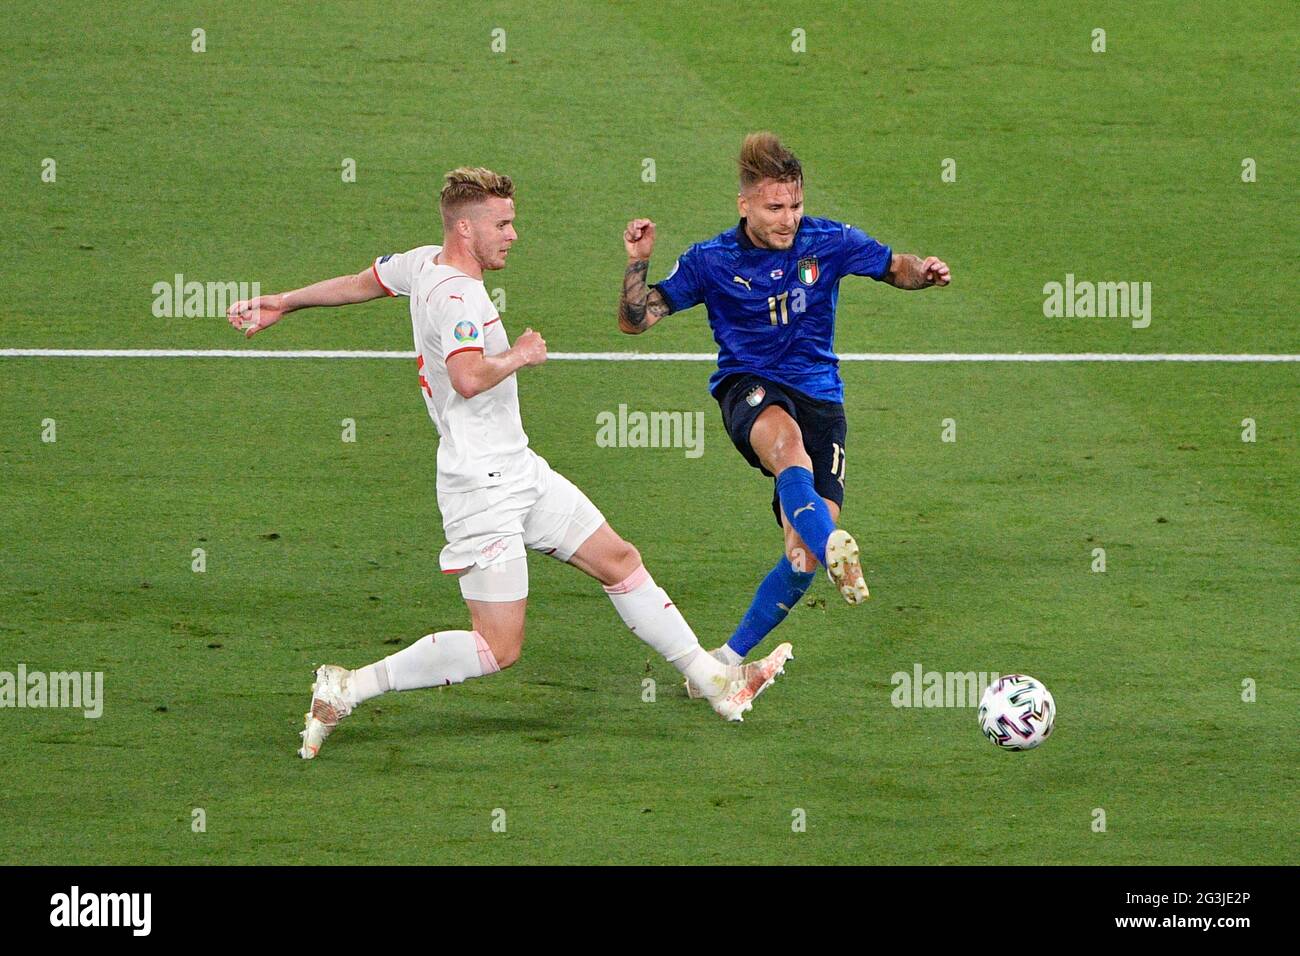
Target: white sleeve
(465, 313)
(396, 271)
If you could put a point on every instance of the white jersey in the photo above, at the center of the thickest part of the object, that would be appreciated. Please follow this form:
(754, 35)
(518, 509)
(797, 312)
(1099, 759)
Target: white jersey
(481, 439)
(396, 272)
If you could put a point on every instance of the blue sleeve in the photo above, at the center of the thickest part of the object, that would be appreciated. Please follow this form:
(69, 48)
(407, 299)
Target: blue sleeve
(683, 289)
(863, 256)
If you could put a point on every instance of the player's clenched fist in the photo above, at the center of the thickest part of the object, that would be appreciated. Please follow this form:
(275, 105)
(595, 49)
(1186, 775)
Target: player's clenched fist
(531, 347)
(252, 315)
(935, 271)
(639, 238)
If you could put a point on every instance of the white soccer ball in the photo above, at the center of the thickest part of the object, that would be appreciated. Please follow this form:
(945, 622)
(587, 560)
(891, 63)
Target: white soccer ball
(1017, 712)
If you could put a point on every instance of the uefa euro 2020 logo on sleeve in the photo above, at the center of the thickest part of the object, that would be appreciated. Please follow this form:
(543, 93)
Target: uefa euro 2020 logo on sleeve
(465, 332)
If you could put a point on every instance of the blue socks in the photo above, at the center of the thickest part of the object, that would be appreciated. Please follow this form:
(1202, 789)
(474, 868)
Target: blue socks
(774, 599)
(805, 509)
(784, 586)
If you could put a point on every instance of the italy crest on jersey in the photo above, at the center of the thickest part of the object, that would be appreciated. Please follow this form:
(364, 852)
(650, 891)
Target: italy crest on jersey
(808, 271)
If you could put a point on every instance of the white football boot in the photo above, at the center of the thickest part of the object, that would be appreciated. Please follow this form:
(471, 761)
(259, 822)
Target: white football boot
(844, 566)
(750, 681)
(693, 692)
(329, 705)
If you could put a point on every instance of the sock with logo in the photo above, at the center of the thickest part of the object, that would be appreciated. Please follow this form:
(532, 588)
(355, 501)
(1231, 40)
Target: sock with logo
(805, 509)
(447, 657)
(774, 599)
(651, 615)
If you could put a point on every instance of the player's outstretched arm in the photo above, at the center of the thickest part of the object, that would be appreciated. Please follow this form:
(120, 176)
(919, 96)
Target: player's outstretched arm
(253, 315)
(907, 271)
(639, 307)
(472, 372)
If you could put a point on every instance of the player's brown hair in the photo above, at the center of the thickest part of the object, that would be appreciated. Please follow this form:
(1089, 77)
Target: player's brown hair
(467, 185)
(763, 157)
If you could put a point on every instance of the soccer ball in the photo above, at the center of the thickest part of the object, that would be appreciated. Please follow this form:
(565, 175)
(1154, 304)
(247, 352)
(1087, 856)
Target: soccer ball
(1017, 712)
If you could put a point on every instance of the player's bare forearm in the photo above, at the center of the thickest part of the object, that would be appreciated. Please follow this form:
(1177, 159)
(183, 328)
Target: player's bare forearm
(253, 315)
(341, 290)
(471, 372)
(483, 373)
(639, 307)
(907, 271)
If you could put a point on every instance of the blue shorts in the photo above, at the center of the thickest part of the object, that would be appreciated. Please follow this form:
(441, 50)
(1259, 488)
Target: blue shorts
(742, 399)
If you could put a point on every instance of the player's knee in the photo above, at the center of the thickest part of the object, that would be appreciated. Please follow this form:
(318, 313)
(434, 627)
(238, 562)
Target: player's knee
(624, 560)
(508, 655)
(506, 641)
(791, 454)
(785, 450)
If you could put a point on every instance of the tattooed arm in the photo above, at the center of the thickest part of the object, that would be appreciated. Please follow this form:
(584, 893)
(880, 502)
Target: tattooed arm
(907, 271)
(639, 306)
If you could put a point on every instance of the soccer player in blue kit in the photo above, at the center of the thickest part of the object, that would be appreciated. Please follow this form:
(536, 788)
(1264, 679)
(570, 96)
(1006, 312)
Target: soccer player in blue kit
(770, 286)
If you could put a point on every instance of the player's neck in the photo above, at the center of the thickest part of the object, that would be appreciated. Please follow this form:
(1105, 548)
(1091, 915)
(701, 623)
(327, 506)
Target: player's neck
(458, 257)
(758, 243)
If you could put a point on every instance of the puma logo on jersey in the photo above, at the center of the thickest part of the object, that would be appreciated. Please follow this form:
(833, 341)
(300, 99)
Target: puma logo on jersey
(744, 282)
(799, 511)
(458, 298)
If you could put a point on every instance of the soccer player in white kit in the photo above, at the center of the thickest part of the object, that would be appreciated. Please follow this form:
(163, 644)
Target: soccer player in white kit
(497, 497)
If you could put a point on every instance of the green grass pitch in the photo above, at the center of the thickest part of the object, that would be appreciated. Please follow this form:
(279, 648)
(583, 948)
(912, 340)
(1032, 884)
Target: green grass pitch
(226, 165)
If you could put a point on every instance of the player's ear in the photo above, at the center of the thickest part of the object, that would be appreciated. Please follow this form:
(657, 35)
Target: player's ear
(742, 207)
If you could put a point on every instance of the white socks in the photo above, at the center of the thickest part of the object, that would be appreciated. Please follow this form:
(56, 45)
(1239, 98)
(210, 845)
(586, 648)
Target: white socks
(649, 614)
(447, 657)
(728, 656)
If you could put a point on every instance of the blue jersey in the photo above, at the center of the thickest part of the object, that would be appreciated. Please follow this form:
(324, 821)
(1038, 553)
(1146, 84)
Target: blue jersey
(773, 311)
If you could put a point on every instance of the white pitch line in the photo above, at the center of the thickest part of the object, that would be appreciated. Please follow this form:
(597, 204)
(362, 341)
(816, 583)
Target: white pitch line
(663, 356)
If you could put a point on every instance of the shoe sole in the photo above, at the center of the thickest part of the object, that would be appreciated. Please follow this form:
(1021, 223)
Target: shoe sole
(842, 557)
(311, 721)
(307, 752)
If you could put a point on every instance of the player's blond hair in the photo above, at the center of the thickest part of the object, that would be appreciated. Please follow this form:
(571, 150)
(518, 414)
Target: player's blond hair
(763, 157)
(468, 185)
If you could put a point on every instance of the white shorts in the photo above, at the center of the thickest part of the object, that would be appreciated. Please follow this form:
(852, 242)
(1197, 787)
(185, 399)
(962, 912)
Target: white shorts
(490, 529)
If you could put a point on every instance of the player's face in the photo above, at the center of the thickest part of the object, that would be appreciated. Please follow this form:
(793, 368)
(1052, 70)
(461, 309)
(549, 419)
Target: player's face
(772, 211)
(492, 232)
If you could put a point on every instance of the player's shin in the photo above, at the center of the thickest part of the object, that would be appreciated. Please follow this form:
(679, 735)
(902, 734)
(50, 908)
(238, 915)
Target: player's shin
(805, 509)
(651, 615)
(774, 599)
(447, 657)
